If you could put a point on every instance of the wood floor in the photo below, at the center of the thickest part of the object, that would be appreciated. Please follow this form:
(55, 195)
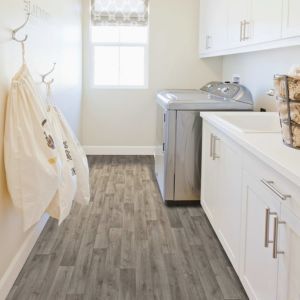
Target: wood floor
(127, 245)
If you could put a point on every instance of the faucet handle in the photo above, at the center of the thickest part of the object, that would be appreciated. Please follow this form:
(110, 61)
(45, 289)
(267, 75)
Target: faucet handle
(271, 92)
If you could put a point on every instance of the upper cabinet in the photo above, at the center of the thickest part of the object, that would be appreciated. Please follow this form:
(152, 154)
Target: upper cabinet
(213, 27)
(291, 20)
(265, 21)
(234, 26)
(238, 14)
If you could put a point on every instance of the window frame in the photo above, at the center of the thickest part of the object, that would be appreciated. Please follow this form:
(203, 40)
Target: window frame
(92, 47)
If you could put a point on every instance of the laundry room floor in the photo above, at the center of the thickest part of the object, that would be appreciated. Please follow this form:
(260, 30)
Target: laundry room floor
(128, 245)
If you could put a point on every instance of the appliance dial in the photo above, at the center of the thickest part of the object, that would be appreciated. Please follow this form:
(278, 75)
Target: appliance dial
(225, 89)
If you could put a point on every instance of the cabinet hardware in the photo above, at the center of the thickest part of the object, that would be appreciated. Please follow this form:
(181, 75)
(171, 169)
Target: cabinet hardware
(214, 154)
(163, 147)
(270, 185)
(208, 38)
(211, 145)
(267, 226)
(241, 31)
(245, 36)
(275, 238)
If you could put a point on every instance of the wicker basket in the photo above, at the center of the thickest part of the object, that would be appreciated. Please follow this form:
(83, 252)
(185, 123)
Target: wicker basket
(287, 91)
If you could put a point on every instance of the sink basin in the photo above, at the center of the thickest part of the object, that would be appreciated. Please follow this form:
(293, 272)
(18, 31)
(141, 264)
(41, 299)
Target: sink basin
(254, 122)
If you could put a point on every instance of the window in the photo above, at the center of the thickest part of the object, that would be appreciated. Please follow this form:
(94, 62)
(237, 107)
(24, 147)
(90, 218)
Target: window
(120, 56)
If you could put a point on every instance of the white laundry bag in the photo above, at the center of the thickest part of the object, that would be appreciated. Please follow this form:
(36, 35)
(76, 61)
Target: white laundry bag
(32, 163)
(61, 204)
(80, 162)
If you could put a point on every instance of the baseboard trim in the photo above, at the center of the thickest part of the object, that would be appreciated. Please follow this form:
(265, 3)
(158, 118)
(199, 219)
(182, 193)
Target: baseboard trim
(16, 265)
(119, 150)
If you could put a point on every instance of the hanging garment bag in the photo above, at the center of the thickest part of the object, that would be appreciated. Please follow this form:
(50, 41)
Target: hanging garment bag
(80, 161)
(61, 204)
(32, 164)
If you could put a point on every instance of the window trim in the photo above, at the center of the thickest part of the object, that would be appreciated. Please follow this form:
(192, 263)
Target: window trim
(92, 46)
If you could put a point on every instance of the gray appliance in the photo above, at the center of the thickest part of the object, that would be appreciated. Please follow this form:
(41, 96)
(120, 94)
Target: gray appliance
(179, 135)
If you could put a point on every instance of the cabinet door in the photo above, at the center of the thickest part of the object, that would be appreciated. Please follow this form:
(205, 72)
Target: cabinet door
(204, 26)
(238, 12)
(213, 25)
(229, 197)
(266, 20)
(209, 176)
(291, 20)
(259, 269)
(289, 261)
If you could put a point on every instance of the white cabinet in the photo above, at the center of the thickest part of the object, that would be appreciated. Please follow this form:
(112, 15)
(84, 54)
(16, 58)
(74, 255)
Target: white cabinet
(289, 259)
(270, 248)
(221, 189)
(258, 270)
(235, 26)
(255, 212)
(291, 20)
(209, 176)
(213, 33)
(238, 14)
(229, 196)
(253, 21)
(265, 21)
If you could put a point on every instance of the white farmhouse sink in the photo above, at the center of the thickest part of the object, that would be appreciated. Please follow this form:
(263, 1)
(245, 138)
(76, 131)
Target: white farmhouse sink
(252, 122)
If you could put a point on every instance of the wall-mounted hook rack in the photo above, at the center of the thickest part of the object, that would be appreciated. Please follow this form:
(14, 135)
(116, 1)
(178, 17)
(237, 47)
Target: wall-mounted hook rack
(14, 32)
(47, 74)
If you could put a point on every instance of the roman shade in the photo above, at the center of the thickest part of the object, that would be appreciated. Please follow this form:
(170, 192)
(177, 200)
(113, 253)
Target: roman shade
(119, 12)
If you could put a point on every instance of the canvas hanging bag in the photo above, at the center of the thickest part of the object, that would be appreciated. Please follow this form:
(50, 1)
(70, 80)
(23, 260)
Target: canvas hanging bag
(61, 204)
(79, 158)
(32, 163)
(80, 162)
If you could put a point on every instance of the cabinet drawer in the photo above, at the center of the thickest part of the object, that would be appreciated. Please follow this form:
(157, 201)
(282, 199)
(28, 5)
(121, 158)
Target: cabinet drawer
(274, 183)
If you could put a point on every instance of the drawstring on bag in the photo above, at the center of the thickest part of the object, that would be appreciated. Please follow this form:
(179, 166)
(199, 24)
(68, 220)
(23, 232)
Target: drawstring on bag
(23, 53)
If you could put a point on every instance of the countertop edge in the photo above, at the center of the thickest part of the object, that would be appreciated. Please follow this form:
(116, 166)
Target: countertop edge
(239, 138)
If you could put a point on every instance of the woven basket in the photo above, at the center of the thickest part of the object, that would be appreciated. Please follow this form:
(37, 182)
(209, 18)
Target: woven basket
(287, 91)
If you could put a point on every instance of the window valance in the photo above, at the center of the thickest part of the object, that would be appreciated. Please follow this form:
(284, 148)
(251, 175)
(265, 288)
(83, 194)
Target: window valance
(120, 12)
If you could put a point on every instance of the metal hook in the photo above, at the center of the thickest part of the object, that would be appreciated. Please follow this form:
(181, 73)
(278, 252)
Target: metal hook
(14, 32)
(48, 73)
(49, 82)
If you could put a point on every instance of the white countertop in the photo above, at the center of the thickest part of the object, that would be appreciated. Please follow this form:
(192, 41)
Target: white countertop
(266, 146)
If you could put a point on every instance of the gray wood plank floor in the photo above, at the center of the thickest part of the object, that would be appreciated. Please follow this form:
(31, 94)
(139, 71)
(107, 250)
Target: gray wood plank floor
(127, 245)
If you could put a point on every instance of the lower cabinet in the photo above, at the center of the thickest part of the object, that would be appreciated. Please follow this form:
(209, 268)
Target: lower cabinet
(221, 190)
(255, 213)
(289, 255)
(258, 271)
(209, 176)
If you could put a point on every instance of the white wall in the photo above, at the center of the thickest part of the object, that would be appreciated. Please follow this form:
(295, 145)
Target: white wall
(127, 118)
(56, 37)
(257, 70)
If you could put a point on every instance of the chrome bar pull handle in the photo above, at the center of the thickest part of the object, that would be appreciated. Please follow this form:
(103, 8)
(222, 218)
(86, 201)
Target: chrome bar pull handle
(245, 36)
(214, 152)
(267, 227)
(241, 31)
(208, 38)
(211, 145)
(275, 238)
(244, 30)
(270, 185)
